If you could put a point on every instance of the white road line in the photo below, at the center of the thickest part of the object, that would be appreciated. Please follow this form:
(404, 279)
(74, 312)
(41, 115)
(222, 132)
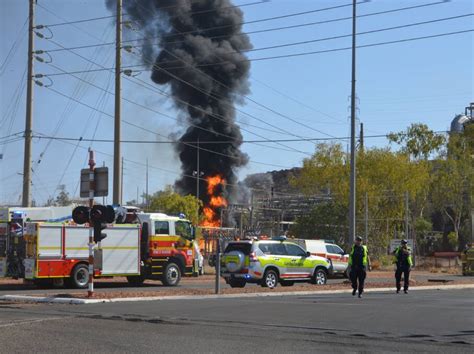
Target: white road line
(28, 321)
(25, 298)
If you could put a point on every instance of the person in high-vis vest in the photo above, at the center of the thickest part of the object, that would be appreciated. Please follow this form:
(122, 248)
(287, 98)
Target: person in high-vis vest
(403, 261)
(359, 263)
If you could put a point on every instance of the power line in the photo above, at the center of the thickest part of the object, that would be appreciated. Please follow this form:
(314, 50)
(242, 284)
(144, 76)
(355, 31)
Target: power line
(250, 99)
(358, 34)
(14, 134)
(152, 132)
(154, 89)
(445, 34)
(79, 21)
(14, 47)
(268, 29)
(178, 173)
(265, 19)
(158, 8)
(340, 49)
(246, 97)
(42, 136)
(78, 92)
(272, 110)
(165, 115)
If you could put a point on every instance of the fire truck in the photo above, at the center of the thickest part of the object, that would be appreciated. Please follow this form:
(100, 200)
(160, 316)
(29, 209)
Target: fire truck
(149, 246)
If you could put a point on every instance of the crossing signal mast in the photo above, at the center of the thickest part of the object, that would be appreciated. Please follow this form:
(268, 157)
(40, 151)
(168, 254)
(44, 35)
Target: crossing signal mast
(97, 216)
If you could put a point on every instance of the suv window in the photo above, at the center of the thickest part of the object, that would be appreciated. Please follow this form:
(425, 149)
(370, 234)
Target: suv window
(277, 249)
(333, 249)
(338, 249)
(266, 248)
(294, 250)
(162, 227)
(242, 247)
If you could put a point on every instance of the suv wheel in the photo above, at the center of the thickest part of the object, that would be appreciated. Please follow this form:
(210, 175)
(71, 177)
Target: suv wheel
(270, 279)
(237, 283)
(320, 277)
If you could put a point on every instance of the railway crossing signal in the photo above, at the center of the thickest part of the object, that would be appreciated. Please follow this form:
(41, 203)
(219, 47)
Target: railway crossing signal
(98, 216)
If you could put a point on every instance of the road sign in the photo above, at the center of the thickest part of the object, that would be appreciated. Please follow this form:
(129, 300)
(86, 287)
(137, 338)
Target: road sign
(101, 179)
(395, 243)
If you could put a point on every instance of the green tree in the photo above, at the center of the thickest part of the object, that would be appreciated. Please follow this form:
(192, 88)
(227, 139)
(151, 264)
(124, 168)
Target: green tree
(326, 221)
(453, 178)
(383, 175)
(169, 202)
(63, 198)
(418, 141)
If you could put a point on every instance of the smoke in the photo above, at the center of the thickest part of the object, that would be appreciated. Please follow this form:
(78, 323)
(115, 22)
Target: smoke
(189, 35)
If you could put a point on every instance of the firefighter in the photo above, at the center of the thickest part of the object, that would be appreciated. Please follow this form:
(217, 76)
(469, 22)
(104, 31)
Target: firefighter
(359, 262)
(403, 261)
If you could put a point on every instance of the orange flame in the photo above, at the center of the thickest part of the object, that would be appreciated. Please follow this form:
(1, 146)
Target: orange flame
(215, 202)
(213, 182)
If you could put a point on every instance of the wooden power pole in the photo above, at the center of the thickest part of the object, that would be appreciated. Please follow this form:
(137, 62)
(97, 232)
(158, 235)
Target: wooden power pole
(117, 182)
(26, 196)
(352, 197)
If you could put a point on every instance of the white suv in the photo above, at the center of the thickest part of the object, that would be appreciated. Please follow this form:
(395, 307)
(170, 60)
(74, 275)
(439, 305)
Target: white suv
(331, 251)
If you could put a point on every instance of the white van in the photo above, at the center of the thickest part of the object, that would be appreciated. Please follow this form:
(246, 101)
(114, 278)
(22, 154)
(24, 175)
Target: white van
(330, 251)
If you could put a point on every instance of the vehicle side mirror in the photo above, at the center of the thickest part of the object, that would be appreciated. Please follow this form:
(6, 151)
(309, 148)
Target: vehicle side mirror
(308, 254)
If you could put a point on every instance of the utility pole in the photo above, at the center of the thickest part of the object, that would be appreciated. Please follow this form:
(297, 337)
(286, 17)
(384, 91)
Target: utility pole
(352, 197)
(121, 183)
(407, 212)
(251, 210)
(146, 185)
(117, 193)
(198, 171)
(366, 205)
(26, 196)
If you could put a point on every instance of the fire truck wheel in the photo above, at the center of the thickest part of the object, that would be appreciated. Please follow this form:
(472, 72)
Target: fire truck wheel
(136, 280)
(79, 277)
(171, 275)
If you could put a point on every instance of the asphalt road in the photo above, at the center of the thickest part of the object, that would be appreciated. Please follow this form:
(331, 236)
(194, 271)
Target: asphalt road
(205, 282)
(426, 321)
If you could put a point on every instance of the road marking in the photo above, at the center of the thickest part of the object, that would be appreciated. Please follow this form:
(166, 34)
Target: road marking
(28, 321)
(26, 298)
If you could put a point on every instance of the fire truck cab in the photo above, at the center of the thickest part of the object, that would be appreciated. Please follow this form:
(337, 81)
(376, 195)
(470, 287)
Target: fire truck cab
(168, 244)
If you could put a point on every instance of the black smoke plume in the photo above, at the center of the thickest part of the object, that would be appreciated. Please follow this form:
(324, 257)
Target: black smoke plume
(195, 47)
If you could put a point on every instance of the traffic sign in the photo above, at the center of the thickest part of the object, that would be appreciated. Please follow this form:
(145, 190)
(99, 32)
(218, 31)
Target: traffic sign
(101, 180)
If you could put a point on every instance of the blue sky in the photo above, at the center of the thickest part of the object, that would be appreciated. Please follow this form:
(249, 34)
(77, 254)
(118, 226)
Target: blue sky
(425, 81)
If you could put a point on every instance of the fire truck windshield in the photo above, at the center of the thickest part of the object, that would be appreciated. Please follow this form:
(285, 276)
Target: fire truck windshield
(184, 229)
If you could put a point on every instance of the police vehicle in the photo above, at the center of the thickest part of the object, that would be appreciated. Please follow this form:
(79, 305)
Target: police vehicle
(272, 262)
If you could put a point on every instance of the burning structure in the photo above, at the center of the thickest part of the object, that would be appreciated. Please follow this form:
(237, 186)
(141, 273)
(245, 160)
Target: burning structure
(195, 47)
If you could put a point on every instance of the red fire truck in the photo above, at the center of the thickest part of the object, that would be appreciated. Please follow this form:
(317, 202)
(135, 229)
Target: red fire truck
(153, 246)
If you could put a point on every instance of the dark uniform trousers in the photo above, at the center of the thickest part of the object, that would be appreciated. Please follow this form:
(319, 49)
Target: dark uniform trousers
(406, 277)
(358, 275)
